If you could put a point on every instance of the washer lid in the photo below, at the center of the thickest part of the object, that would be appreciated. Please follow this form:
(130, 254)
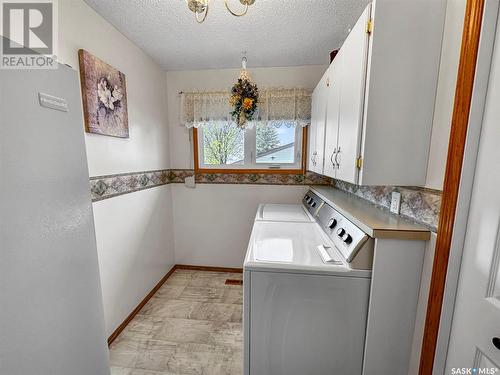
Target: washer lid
(283, 212)
(287, 246)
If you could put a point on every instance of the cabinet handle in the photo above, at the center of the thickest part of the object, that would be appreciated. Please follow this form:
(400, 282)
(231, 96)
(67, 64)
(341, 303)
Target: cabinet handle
(337, 160)
(331, 157)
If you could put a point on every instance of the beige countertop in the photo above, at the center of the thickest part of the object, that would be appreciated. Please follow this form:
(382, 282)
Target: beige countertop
(375, 222)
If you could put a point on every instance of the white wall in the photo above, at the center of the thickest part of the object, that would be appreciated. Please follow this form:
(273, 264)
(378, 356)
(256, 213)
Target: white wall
(147, 147)
(135, 248)
(213, 222)
(134, 231)
(450, 53)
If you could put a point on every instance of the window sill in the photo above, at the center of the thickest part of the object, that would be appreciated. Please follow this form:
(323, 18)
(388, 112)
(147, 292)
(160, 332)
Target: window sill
(247, 171)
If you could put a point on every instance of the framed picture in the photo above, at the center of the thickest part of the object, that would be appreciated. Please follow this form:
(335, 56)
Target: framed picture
(104, 95)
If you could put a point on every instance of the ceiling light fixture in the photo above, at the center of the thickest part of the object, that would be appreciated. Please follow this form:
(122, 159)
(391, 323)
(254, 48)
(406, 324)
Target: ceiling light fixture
(200, 8)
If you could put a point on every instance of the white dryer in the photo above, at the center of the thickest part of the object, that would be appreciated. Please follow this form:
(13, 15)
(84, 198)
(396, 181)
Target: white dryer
(306, 293)
(301, 213)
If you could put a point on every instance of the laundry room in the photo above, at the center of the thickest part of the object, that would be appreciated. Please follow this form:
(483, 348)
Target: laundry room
(248, 187)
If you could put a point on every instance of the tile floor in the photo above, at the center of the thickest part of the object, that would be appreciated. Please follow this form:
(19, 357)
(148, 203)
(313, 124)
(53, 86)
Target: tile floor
(192, 325)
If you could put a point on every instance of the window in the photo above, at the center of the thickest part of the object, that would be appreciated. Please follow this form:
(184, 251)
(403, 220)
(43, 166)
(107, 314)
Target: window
(264, 146)
(274, 141)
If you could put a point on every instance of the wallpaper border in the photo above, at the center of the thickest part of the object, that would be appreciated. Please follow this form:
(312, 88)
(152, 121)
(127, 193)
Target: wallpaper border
(109, 186)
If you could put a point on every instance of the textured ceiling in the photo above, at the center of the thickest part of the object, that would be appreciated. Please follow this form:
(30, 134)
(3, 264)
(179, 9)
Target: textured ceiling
(274, 32)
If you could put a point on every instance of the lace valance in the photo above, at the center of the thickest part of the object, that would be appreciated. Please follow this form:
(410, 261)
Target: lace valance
(287, 107)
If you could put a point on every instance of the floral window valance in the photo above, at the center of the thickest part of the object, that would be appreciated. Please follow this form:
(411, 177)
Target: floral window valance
(287, 107)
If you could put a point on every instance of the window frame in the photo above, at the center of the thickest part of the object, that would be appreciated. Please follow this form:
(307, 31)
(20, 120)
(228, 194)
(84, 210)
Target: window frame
(266, 167)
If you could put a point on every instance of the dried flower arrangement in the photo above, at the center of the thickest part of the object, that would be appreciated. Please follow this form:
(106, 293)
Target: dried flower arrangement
(244, 99)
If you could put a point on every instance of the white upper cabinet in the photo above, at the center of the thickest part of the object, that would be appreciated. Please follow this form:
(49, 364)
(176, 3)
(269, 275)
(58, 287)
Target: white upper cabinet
(317, 127)
(381, 94)
(334, 74)
(353, 73)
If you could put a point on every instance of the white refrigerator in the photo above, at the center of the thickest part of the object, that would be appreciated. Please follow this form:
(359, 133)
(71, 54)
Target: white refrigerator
(51, 311)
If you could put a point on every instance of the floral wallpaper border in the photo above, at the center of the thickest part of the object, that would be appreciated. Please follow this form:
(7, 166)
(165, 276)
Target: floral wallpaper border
(109, 186)
(105, 187)
(417, 204)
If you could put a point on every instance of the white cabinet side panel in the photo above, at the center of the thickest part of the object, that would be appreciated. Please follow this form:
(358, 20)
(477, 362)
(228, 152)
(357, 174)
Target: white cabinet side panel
(397, 268)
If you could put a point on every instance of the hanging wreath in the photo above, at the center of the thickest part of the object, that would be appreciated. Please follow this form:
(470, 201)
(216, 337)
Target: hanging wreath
(244, 99)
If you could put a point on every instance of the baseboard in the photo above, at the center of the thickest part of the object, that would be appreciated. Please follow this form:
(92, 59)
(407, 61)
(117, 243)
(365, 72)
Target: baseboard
(208, 268)
(131, 316)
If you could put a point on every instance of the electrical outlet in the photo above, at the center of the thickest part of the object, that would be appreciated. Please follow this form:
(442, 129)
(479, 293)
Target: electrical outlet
(395, 202)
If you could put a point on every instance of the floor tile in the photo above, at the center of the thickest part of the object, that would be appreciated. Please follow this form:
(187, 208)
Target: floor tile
(202, 294)
(132, 371)
(192, 325)
(219, 312)
(233, 295)
(143, 327)
(170, 291)
(123, 352)
(169, 308)
(186, 331)
(237, 315)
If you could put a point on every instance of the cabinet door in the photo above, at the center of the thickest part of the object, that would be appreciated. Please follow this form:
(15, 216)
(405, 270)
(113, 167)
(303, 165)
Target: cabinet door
(311, 132)
(322, 101)
(317, 127)
(332, 116)
(354, 61)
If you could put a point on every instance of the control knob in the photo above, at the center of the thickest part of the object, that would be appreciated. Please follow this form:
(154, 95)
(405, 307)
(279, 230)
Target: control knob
(348, 239)
(332, 223)
(341, 232)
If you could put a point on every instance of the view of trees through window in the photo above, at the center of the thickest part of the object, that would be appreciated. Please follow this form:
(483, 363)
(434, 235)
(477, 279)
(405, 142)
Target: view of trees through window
(224, 143)
(275, 144)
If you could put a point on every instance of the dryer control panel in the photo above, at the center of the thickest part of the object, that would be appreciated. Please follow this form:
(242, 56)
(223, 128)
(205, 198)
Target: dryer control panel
(355, 245)
(312, 202)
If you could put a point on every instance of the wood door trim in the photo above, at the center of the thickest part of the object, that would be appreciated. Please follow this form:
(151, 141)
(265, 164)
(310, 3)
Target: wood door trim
(459, 124)
(138, 308)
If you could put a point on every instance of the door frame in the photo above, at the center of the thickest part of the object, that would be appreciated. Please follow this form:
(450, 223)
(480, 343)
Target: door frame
(476, 50)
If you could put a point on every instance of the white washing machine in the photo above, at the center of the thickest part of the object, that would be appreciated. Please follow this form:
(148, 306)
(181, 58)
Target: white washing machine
(306, 293)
